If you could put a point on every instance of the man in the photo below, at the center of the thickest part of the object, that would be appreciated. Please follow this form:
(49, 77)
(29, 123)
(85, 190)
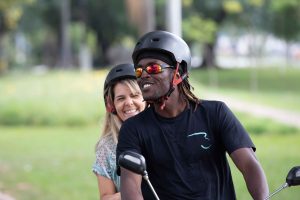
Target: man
(183, 139)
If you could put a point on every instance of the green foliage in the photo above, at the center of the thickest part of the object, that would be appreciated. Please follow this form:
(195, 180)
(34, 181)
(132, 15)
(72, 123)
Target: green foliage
(80, 34)
(252, 14)
(256, 3)
(11, 12)
(196, 29)
(11, 3)
(93, 24)
(232, 6)
(10, 15)
(209, 9)
(284, 15)
(107, 18)
(277, 5)
(276, 16)
(106, 23)
(201, 20)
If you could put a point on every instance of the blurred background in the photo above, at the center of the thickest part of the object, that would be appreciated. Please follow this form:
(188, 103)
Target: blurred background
(54, 56)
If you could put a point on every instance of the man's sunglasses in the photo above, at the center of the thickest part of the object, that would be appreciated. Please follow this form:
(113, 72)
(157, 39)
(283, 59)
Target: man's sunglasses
(152, 68)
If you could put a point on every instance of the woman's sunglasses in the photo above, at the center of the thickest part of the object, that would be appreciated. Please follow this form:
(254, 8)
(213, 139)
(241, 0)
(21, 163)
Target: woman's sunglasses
(152, 68)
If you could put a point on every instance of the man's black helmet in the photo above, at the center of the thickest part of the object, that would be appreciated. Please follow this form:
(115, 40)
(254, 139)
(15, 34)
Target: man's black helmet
(167, 43)
(119, 72)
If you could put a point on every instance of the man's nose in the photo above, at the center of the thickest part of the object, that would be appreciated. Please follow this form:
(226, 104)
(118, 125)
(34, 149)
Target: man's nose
(144, 74)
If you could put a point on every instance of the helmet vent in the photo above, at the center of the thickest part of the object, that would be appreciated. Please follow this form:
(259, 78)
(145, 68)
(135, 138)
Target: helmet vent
(119, 70)
(155, 39)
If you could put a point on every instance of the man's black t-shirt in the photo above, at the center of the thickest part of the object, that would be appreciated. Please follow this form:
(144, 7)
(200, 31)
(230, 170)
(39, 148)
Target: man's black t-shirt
(186, 155)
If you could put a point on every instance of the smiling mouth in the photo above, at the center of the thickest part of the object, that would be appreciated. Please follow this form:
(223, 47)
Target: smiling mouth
(145, 86)
(130, 111)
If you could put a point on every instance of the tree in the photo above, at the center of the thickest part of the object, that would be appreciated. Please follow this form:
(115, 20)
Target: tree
(10, 14)
(210, 14)
(66, 55)
(141, 14)
(108, 19)
(285, 19)
(213, 14)
(41, 24)
(285, 22)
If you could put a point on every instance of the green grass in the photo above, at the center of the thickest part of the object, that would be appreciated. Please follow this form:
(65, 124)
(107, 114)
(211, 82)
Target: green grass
(263, 126)
(56, 98)
(75, 99)
(269, 86)
(277, 154)
(48, 163)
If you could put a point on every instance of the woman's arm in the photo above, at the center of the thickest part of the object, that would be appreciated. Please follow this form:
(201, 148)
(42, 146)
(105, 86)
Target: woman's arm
(107, 189)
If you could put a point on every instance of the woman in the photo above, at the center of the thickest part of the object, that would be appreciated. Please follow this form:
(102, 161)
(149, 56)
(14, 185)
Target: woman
(123, 99)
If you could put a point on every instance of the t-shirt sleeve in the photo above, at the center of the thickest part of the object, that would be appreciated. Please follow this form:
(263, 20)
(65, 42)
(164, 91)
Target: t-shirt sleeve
(128, 140)
(102, 165)
(233, 134)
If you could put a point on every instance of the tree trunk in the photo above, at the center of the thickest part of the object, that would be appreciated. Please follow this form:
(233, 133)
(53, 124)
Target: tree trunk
(209, 56)
(104, 45)
(141, 14)
(50, 55)
(66, 58)
(3, 62)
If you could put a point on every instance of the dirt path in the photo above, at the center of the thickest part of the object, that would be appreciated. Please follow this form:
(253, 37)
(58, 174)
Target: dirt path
(5, 197)
(278, 115)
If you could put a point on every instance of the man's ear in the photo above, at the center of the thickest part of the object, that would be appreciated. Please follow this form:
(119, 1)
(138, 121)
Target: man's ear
(175, 75)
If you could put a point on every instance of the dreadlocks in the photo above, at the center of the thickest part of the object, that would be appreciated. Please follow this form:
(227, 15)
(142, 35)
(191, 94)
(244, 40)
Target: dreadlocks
(185, 89)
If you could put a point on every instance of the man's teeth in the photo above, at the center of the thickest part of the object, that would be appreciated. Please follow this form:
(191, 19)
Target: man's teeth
(146, 85)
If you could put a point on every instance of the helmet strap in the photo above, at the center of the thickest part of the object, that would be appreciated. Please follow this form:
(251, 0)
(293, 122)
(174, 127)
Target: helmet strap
(176, 80)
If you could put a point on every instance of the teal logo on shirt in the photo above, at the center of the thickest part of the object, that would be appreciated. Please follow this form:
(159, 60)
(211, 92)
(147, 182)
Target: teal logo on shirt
(204, 136)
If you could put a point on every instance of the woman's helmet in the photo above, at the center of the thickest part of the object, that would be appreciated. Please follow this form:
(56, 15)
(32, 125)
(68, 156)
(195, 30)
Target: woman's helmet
(166, 43)
(117, 73)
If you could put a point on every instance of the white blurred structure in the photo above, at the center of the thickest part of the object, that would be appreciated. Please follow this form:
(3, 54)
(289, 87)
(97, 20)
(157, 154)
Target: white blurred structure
(258, 50)
(173, 16)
